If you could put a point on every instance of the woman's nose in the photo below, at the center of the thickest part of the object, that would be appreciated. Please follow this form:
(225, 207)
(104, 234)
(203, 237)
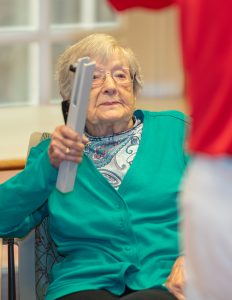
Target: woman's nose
(109, 85)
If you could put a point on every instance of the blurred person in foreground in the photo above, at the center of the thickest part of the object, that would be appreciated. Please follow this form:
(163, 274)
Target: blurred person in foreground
(206, 33)
(117, 231)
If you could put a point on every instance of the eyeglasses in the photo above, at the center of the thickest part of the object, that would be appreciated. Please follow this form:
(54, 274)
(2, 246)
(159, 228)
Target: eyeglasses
(121, 76)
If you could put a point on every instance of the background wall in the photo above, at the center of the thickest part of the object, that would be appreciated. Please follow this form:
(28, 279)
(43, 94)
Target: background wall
(153, 35)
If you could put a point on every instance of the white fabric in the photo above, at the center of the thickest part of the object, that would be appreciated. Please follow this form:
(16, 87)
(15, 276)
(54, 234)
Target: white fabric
(207, 228)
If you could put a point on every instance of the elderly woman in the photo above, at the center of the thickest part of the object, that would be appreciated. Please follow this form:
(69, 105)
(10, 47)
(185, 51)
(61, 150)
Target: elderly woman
(117, 231)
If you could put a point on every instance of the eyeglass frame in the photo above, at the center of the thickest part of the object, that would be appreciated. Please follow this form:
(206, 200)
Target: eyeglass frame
(103, 74)
(72, 68)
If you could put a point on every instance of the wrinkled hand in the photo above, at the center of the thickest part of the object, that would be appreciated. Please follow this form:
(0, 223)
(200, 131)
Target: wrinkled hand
(66, 144)
(176, 280)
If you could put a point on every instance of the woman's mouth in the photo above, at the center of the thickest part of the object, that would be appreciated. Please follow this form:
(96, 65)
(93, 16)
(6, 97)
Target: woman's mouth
(110, 103)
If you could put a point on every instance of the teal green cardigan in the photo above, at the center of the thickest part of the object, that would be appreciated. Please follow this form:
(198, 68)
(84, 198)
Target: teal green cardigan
(108, 238)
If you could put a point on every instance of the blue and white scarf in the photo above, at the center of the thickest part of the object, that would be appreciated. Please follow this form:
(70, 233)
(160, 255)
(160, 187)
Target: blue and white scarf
(113, 154)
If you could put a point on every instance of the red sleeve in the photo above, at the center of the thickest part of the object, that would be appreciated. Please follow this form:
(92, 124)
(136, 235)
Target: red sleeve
(151, 4)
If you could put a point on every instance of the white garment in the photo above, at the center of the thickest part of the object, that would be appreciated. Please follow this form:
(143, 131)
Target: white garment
(207, 228)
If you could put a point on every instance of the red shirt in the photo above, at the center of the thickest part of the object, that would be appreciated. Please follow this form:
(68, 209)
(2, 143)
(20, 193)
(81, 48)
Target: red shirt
(207, 54)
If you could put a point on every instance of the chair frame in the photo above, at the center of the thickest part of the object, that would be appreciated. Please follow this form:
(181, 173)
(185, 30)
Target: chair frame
(30, 285)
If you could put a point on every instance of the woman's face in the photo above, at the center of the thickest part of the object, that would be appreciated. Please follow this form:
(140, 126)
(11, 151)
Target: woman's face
(111, 97)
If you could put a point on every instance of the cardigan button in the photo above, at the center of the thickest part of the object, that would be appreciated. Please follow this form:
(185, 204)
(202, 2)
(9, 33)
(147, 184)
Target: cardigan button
(127, 248)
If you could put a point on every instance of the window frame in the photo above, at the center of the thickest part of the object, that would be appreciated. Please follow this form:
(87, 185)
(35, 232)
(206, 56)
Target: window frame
(41, 35)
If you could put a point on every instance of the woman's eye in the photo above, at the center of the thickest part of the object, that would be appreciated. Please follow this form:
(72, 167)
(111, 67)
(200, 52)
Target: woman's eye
(96, 76)
(120, 75)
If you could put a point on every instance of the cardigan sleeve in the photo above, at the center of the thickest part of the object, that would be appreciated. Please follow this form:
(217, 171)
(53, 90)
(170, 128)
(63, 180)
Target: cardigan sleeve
(22, 197)
(121, 5)
(28, 223)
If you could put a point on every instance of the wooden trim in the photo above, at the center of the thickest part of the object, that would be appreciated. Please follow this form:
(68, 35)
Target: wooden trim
(12, 164)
